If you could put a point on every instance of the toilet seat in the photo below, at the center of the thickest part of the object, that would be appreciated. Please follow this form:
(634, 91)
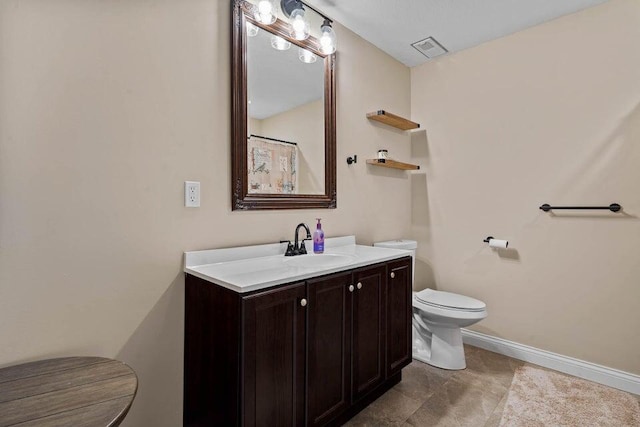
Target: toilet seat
(449, 301)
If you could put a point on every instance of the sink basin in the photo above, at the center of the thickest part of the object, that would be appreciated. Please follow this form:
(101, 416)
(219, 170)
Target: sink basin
(319, 261)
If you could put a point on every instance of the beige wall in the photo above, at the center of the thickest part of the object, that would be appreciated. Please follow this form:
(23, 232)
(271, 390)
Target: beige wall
(254, 126)
(106, 108)
(548, 115)
(303, 125)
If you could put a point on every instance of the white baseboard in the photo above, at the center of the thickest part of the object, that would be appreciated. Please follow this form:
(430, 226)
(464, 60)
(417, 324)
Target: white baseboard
(576, 367)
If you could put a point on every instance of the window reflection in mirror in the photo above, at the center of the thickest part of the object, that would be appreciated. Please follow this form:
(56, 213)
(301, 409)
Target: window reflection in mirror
(285, 117)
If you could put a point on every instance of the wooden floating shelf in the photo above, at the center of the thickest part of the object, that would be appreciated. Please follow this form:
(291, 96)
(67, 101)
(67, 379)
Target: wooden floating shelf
(388, 163)
(392, 120)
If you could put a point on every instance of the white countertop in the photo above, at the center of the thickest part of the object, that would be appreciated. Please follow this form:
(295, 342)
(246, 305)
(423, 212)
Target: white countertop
(248, 268)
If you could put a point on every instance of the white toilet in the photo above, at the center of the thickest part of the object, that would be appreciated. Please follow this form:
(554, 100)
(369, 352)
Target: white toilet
(437, 319)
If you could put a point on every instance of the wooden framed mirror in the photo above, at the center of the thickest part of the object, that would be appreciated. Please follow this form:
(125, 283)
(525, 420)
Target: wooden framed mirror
(283, 153)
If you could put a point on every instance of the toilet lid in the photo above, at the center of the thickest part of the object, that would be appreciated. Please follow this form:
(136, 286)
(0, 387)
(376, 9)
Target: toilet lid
(450, 300)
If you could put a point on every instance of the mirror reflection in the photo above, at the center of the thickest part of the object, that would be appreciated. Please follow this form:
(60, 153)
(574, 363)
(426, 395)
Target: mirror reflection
(283, 113)
(285, 116)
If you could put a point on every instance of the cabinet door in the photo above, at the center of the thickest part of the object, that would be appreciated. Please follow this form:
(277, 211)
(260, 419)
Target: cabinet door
(329, 338)
(368, 329)
(274, 357)
(398, 315)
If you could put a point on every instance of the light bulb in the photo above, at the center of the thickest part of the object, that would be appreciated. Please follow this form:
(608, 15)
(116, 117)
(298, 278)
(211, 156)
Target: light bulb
(328, 38)
(299, 25)
(306, 56)
(265, 12)
(252, 30)
(279, 43)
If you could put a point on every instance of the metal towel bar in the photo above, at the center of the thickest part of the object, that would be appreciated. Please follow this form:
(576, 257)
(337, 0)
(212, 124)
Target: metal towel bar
(613, 207)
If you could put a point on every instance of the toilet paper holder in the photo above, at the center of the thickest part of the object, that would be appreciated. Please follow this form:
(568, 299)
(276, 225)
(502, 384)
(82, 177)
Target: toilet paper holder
(500, 244)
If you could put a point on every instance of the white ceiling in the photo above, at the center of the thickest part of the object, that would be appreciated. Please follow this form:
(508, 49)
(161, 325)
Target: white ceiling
(392, 25)
(277, 80)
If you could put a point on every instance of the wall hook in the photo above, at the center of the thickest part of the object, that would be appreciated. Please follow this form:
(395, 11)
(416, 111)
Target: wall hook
(353, 159)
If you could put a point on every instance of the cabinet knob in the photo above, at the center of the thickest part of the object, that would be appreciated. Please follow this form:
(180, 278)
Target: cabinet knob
(393, 275)
(303, 302)
(350, 288)
(359, 285)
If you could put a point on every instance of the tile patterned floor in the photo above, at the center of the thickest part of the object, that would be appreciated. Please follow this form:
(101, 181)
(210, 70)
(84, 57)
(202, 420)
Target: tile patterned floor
(428, 396)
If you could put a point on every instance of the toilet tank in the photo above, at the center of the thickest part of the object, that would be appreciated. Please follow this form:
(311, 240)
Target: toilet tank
(408, 245)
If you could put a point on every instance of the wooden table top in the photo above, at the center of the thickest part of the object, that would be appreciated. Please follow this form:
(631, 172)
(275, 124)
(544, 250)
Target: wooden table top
(70, 391)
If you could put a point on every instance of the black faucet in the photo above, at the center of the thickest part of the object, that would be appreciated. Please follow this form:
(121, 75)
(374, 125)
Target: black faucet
(301, 249)
(289, 251)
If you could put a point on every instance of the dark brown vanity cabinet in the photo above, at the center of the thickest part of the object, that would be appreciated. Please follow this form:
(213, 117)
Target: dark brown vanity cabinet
(329, 356)
(399, 313)
(308, 353)
(368, 329)
(346, 340)
(274, 348)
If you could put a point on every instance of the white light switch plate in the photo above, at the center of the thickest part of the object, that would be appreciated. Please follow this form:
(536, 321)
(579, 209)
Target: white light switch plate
(192, 194)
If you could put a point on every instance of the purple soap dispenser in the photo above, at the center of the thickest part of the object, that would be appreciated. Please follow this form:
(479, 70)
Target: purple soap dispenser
(318, 239)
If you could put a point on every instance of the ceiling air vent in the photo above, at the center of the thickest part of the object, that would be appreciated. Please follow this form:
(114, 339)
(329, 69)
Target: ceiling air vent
(429, 47)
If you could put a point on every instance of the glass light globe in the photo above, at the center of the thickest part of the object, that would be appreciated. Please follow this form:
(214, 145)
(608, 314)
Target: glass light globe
(279, 43)
(306, 56)
(265, 12)
(252, 30)
(299, 25)
(327, 38)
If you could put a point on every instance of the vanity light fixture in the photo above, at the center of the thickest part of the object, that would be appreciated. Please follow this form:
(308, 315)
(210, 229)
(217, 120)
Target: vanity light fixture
(278, 43)
(299, 24)
(328, 37)
(295, 9)
(265, 12)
